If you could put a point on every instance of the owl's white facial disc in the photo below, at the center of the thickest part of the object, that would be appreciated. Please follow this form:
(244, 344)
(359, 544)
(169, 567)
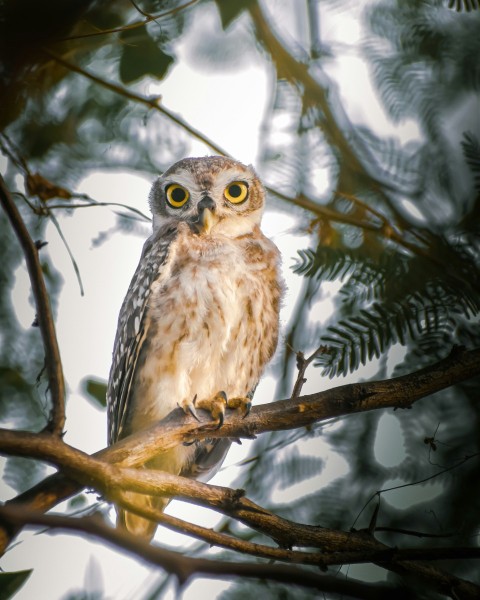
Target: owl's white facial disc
(214, 195)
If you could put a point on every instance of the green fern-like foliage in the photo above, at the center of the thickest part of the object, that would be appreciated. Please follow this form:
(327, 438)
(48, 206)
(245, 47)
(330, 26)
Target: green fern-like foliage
(461, 5)
(471, 152)
(393, 299)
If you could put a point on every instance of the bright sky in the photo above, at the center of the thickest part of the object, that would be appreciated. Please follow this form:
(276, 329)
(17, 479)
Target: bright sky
(86, 326)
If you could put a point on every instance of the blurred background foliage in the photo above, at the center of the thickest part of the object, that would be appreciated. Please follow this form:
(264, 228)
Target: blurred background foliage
(395, 225)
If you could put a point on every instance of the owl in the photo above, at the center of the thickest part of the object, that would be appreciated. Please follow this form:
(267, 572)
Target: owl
(200, 319)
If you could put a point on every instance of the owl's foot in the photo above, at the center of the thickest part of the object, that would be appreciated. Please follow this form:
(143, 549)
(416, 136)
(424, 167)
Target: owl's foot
(216, 406)
(245, 404)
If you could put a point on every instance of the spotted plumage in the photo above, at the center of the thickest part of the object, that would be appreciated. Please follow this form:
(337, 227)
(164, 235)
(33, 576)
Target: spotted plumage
(201, 313)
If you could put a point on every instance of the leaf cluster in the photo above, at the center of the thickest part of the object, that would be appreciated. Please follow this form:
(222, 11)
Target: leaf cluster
(392, 299)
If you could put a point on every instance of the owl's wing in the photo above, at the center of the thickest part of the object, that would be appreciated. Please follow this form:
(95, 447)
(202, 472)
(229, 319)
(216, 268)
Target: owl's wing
(131, 329)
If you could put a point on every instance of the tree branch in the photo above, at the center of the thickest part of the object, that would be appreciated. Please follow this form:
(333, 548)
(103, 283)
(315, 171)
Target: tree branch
(400, 392)
(285, 414)
(336, 135)
(186, 568)
(44, 312)
(151, 102)
(320, 559)
(130, 26)
(357, 158)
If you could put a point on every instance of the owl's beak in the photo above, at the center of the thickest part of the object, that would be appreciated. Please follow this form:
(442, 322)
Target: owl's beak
(206, 215)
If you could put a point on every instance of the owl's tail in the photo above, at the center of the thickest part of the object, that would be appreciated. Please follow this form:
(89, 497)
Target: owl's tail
(139, 526)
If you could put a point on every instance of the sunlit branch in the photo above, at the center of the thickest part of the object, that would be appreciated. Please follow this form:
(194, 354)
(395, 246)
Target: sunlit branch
(353, 398)
(177, 428)
(298, 73)
(44, 313)
(399, 392)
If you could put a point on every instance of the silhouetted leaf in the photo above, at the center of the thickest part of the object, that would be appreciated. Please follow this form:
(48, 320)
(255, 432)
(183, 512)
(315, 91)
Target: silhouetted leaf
(229, 10)
(142, 56)
(96, 390)
(11, 582)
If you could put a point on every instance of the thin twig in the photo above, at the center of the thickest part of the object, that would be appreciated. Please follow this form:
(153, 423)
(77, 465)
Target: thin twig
(44, 312)
(378, 493)
(152, 102)
(92, 202)
(302, 365)
(134, 25)
(53, 218)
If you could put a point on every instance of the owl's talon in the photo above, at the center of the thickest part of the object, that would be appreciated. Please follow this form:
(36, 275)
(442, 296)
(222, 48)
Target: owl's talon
(221, 418)
(215, 406)
(189, 407)
(193, 412)
(244, 404)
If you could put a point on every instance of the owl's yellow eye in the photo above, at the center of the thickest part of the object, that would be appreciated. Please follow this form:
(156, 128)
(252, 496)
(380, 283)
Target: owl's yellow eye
(177, 195)
(236, 192)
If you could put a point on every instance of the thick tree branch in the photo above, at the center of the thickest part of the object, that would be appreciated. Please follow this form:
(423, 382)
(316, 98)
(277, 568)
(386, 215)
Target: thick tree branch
(44, 312)
(320, 559)
(286, 414)
(400, 392)
(186, 568)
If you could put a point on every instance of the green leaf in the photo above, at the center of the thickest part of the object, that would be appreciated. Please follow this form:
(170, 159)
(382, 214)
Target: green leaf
(142, 56)
(229, 10)
(10, 583)
(96, 390)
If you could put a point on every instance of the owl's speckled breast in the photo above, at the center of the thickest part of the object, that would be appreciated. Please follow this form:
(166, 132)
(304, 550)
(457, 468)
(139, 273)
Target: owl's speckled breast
(213, 320)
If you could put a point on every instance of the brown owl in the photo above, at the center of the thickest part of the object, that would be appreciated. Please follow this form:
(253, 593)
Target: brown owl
(200, 319)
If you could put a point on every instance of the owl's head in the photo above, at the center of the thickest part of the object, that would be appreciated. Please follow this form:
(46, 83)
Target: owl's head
(213, 194)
